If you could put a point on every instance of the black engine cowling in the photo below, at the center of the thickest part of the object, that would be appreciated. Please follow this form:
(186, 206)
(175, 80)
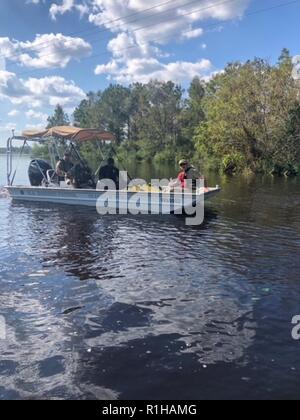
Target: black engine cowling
(37, 172)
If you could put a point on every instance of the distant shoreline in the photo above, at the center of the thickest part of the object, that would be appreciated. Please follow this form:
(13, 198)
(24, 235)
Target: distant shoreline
(15, 153)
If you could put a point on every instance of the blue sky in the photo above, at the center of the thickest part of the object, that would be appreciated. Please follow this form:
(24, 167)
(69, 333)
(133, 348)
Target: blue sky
(56, 51)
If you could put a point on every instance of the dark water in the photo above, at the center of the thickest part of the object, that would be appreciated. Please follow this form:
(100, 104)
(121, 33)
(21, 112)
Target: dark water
(146, 308)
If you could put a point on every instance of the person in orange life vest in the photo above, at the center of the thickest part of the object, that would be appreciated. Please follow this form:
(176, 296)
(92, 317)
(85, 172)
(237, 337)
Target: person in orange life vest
(188, 172)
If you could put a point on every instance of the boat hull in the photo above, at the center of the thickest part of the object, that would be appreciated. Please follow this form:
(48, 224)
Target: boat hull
(112, 201)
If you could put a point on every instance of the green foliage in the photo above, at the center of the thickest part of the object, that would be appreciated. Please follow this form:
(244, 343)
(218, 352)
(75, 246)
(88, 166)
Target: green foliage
(166, 156)
(59, 118)
(145, 119)
(40, 152)
(252, 111)
(108, 110)
(246, 118)
(233, 163)
(91, 154)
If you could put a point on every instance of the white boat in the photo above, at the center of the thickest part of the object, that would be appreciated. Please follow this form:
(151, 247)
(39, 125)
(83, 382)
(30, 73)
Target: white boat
(122, 201)
(127, 200)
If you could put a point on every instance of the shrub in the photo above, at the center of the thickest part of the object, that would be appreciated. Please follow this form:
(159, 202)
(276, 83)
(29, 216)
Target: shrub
(233, 163)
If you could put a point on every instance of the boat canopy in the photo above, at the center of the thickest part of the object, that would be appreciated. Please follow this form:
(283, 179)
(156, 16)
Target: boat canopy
(70, 133)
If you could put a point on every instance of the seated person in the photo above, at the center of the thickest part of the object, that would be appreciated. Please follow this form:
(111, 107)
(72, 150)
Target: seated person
(188, 172)
(110, 171)
(64, 166)
(82, 177)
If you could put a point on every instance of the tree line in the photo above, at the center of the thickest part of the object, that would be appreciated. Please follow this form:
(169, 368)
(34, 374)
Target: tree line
(245, 118)
(27, 150)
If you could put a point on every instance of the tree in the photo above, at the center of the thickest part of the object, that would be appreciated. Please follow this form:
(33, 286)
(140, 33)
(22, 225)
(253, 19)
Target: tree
(192, 116)
(108, 110)
(195, 100)
(114, 109)
(285, 59)
(157, 119)
(88, 114)
(59, 118)
(248, 110)
(248, 116)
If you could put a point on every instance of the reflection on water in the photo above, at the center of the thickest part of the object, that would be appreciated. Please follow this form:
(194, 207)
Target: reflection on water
(145, 307)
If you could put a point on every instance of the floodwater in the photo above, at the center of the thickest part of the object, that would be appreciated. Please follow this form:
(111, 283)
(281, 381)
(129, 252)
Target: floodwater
(148, 308)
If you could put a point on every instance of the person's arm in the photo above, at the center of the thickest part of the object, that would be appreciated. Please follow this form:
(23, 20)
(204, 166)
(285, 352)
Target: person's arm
(174, 183)
(72, 169)
(59, 170)
(102, 173)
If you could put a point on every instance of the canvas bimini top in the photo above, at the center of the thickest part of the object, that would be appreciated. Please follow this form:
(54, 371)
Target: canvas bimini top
(53, 135)
(70, 133)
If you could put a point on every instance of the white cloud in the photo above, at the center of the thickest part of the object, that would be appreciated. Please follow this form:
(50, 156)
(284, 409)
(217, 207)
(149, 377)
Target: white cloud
(170, 19)
(132, 62)
(65, 7)
(111, 67)
(7, 48)
(31, 114)
(2, 64)
(68, 6)
(35, 1)
(11, 86)
(13, 113)
(46, 51)
(36, 93)
(34, 126)
(193, 33)
(144, 69)
(83, 9)
(136, 51)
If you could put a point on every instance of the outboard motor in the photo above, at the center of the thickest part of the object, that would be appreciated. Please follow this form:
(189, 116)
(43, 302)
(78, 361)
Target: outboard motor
(37, 172)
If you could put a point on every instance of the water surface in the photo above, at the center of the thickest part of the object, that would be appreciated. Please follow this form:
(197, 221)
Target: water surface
(145, 307)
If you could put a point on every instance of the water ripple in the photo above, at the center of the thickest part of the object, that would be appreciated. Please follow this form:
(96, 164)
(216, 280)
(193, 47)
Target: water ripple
(121, 307)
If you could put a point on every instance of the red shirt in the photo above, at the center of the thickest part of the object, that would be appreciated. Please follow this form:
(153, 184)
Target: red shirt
(182, 179)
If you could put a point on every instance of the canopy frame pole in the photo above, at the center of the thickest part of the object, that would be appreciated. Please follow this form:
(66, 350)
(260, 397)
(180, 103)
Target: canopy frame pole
(83, 162)
(50, 151)
(103, 159)
(79, 157)
(42, 173)
(56, 150)
(113, 150)
(53, 149)
(9, 160)
(17, 166)
(53, 152)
